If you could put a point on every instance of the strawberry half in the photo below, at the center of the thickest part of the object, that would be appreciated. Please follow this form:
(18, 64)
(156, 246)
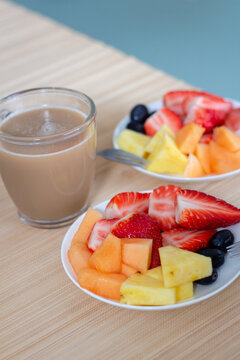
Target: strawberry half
(206, 138)
(140, 225)
(191, 240)
(124, 203)
(207, 112)
(99, 232)
(233, 121)
(176, 100)
(162, 206)
(162, 116)
(197, 210)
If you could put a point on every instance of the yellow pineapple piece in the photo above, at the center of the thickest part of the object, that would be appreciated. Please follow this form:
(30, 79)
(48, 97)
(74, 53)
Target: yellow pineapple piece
(167, 158)
(157, 139)
(133, 142)
(181, 266)
(183, 291)
(143, 290)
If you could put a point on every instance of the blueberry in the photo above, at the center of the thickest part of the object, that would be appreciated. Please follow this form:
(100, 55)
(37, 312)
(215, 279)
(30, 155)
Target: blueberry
(139, 113)
(221, 240)
(216, 255)
(209, 279)
(136, 126)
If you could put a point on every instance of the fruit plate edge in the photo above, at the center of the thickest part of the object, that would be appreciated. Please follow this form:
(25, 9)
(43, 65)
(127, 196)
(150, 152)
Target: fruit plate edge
(153, 106)
(201, 292)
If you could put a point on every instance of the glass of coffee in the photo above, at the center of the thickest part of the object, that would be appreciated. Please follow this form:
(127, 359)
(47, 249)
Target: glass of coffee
(47, 153)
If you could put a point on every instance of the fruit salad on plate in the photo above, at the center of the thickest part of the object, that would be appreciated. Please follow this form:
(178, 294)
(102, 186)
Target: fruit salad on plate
(153, 248)
(194, 134)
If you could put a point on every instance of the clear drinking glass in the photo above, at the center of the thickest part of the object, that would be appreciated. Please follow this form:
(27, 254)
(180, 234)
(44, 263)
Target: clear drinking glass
(48, 176)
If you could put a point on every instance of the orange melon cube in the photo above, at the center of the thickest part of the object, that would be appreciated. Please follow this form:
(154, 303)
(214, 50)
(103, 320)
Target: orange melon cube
(194, 167)
(202, 153)
(85, 228)
(188, 137)
(107, 257)
(78, 256)
(137, 253)
(128, 270)
(222, 160)
(103, 284)
(226, 138)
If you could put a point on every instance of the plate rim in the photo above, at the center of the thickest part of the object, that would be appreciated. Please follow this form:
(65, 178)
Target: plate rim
(152, 106)
(72, 229)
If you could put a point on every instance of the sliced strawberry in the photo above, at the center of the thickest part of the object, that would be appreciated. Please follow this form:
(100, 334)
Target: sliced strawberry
(191, 240)
(162, 206)
(233, 121)
(140, 225)
(175, 100)
(206, 138)
(99, 232)
(124, 203)
(197, 210)
(207, 112)
(162, 116)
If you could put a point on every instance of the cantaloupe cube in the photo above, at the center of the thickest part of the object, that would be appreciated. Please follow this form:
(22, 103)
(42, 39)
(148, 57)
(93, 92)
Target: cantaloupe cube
(85, 228)
(181, 266)
(78, 256)
(222, 160)
(103, 284)
(194, 167)
(128, 270)
(188, 137)
(137, 253)
(107, 257)
(202, 153)
(226, 138)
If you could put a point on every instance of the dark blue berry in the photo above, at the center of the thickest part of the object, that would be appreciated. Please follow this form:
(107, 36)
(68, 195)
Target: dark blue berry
(139, 113)
(209, 279)
(139, 127)
(216, 255)
(221, 240)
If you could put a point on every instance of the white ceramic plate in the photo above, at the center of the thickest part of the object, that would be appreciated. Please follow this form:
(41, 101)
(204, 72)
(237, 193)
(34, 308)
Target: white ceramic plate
(156, 106)
(227, 273)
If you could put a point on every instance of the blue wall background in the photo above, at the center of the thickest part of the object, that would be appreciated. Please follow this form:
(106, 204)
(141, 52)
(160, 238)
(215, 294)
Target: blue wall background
(195, 40)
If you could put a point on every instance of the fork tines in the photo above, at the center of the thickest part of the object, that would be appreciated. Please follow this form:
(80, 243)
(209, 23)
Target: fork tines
(234, 249)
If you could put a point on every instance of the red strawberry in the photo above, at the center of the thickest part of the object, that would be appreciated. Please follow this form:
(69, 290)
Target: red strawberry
(196, 210)
(207, 112)
(140, 226)
(124, 203)
(191, 240)
(162, 116)
(233, 121)
(99, 232)
(206, 138)
(175, 100)
(162, 206)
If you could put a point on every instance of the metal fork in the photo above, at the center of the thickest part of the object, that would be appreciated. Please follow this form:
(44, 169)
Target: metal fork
(234, 249)
(123, 157)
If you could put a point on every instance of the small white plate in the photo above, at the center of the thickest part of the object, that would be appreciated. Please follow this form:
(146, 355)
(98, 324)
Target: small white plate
(156, 106)
(227, 273)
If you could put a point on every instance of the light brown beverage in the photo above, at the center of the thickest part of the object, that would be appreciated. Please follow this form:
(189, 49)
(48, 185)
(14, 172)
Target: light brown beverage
(50, 178)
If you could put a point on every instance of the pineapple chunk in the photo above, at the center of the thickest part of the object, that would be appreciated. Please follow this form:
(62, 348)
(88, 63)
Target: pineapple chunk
(143, 290)
(182, 266)
(167, 158)
(183, 291)
(157, 139)
(133, 142)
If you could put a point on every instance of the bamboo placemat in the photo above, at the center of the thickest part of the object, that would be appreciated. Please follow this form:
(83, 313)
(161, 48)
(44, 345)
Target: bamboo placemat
(42, 314)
